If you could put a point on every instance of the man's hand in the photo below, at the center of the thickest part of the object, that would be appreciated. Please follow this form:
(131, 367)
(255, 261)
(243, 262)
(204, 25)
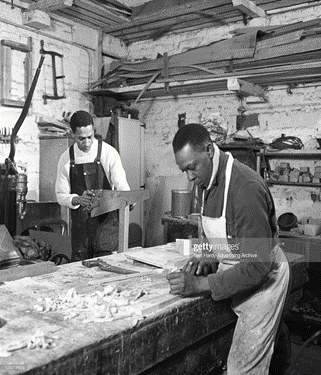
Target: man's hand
(199, 267)
(85, 200)
(186, 284)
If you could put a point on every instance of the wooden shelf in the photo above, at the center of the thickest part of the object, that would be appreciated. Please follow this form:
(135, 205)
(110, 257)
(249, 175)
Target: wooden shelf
(293, 154)
(310, 184)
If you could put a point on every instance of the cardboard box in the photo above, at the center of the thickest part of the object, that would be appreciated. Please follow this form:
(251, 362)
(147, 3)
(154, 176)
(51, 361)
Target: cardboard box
(184, 246)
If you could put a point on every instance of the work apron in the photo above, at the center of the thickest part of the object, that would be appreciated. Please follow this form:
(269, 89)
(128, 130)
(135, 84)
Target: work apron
(95, 236)
(259, 311)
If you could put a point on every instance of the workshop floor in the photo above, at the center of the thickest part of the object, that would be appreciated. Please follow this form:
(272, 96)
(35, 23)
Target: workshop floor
(309, 362)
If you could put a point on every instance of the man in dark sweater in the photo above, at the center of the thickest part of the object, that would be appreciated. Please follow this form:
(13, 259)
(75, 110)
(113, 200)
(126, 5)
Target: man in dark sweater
(239, 223)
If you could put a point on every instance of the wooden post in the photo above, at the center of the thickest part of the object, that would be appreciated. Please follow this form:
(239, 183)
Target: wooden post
(123, 227)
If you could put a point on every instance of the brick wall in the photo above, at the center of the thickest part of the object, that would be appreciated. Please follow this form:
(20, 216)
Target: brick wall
(296, 114)
(64, 37)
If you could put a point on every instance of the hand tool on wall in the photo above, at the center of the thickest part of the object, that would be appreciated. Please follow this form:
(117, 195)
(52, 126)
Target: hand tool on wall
(14, 185)
(55, 77)
(104, 266)
(110, 200)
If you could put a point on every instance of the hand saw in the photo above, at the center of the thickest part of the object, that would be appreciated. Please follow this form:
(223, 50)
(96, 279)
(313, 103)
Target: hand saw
(110, 200)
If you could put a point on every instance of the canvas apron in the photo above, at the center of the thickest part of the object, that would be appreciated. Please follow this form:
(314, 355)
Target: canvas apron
(91, 236)
(259, 311)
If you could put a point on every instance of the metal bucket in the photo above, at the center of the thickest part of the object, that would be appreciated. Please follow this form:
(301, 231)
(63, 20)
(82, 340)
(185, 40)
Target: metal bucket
(181, 203)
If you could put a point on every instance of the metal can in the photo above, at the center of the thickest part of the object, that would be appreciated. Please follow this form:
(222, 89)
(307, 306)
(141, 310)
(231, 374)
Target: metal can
(181, 203)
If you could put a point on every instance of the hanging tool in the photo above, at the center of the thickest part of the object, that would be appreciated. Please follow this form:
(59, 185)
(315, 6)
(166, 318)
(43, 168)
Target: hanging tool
(13, 184)
(104, 266)
(55, 78)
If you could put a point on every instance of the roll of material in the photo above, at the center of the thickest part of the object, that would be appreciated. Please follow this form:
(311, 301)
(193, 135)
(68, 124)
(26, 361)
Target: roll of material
(181, 203)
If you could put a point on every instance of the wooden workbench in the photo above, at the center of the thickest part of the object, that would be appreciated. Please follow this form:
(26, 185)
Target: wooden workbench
(192, 335)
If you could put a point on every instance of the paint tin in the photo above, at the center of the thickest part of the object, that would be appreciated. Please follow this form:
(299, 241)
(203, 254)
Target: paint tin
(181, 203)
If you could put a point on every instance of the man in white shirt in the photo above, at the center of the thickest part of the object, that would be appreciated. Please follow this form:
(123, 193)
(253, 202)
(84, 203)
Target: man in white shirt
(89, 164)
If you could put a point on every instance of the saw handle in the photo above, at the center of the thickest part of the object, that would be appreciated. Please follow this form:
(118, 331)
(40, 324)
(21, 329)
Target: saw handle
(93, 263)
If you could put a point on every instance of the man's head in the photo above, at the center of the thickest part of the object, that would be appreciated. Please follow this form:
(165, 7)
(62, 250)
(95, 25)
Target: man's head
(82, 125)
(193, 149)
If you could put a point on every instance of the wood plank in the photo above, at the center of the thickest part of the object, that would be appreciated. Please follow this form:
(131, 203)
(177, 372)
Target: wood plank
(158, 256)
(209, 85)
(120, 5)
(208, 18)
(245, 64)
(249, 8)
(296, 69)
(182, 23)
(99, 19)
(110, 200)
(276, 30)
(5, 72)
(16, 45)
(93, 6)
(50, 5)
(28, 68)
(146, 87)
(171, 12)
(302, 46)
(29, 270)
(272, 4)
(236, 48)
(224, 14)
(123, 228)
(82, 20)
(280, 40)
(155, 304)
(186, 24)
(114, 279)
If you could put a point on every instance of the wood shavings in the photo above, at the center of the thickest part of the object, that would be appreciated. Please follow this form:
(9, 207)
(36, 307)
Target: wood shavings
(145, 279)
(109, 289)
(5, 354)
(106, 304)
(17, 346)
(40, 341)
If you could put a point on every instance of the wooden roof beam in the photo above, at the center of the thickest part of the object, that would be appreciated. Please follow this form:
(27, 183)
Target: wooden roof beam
(249, 8)
(169, 13)
(50, 5)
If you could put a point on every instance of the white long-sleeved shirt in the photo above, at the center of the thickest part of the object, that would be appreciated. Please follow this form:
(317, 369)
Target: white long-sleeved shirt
(110, 160)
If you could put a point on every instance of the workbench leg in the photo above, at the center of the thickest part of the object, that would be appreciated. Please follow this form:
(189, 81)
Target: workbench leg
(165, 235)
(123, 229)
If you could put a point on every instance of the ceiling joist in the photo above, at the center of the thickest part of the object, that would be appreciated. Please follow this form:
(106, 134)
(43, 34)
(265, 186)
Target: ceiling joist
(249, 8)
(50, 5)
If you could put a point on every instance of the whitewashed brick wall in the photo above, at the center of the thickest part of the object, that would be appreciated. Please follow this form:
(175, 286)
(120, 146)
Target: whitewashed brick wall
(298, 114)
(79, 63)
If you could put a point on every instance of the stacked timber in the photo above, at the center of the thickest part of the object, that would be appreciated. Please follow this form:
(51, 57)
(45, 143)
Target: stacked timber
(266, 56)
